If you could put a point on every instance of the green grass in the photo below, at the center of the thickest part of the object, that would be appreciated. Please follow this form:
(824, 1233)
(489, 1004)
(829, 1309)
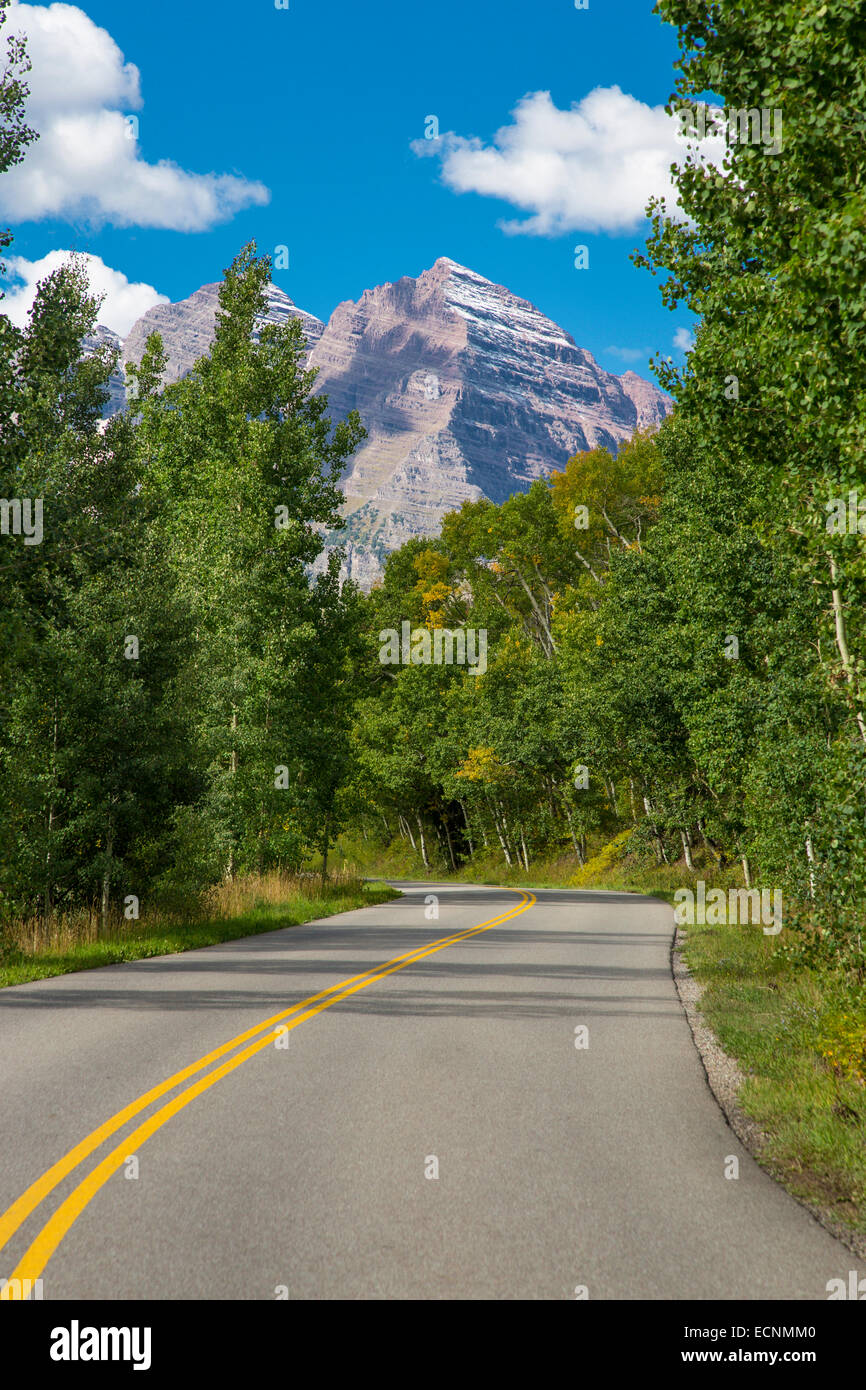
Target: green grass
(799, 1036)
(140, 940)
(398, 860)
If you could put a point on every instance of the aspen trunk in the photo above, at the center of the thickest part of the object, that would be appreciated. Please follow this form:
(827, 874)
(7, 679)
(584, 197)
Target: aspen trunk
(106, 877)
(660, 846)
(423, 841)
(325, 847)
(509, 838)
(501, 837)
(468, 829)
(409, 834)
(842, 644)
(233, 763)
(523, 847)
(810, 855)
(687, 849)
(577, 848)
(48, 883)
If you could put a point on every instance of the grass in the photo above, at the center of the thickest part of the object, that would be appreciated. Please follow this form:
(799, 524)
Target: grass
(798, 1034)
(800, 1037)
(246, 907)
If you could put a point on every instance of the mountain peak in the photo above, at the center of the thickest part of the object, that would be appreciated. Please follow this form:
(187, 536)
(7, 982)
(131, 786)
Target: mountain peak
(187, 327)
(465, 389)
(446, 263)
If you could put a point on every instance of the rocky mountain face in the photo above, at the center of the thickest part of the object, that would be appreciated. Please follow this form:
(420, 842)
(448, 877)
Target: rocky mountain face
(116, 384)
(188, 328)
(465, 390)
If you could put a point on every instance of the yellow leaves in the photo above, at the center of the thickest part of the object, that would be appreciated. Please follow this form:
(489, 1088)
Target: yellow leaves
(482, 765)
(599, 641)
(432, 602)
(843, 1046)
(607, 856)
(432, 587)
(432, 564)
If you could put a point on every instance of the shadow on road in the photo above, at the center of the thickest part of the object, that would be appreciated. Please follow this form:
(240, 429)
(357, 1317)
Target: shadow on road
(461, 979)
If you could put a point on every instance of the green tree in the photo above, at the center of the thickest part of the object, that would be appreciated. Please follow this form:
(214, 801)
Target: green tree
(241, 459)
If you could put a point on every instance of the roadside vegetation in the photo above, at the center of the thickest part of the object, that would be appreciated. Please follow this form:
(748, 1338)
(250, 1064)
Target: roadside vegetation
(665, 678)
(797, 1030)
(676, 647)
(35, 950)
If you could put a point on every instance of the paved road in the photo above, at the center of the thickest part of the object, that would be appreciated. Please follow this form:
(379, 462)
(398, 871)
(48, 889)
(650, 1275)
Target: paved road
(308, 1166)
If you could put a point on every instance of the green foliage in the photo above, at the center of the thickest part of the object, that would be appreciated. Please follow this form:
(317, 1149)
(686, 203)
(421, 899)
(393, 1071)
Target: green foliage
(15, 134)
(773, 262)
(238, 457)
(674, 634)
(176, 692)
(680, 620)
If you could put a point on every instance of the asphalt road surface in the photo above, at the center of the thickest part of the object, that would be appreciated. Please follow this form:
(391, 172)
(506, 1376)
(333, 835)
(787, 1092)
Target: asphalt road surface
(339, 1111)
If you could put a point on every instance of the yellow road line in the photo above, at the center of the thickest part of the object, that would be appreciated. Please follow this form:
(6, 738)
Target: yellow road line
(46, 1242)
(15, 1215)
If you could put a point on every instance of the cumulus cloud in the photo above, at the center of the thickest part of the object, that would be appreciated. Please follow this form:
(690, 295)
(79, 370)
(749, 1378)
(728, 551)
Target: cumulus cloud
(590, 168)
(124, 302)
(87, 161)
(683, 340)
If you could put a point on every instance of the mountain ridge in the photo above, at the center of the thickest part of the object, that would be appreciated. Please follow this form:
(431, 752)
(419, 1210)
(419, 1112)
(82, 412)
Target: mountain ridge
(466, 390)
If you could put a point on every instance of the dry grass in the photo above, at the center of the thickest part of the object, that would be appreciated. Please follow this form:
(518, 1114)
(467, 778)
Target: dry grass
(62, 932)
(34, 949)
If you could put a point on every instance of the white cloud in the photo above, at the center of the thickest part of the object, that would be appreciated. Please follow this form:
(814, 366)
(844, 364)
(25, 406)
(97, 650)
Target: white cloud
(123, 303)
(85, 163)
(630, 354)
(683, 340)
(591, 168)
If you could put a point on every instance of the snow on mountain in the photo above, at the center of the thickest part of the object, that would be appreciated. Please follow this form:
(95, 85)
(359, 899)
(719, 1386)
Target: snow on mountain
(465, 389)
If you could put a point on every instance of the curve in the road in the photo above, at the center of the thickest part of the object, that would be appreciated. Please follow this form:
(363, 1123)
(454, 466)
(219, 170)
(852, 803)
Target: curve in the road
(34, 1261)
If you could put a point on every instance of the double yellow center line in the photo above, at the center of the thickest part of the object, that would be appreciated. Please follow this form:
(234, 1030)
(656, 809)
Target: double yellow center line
(38, 1254)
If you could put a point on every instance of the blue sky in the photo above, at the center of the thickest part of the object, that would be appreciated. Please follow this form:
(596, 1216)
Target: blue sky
(313, 112)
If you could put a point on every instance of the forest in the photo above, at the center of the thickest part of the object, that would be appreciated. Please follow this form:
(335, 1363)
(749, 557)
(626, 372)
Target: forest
(674, 635)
